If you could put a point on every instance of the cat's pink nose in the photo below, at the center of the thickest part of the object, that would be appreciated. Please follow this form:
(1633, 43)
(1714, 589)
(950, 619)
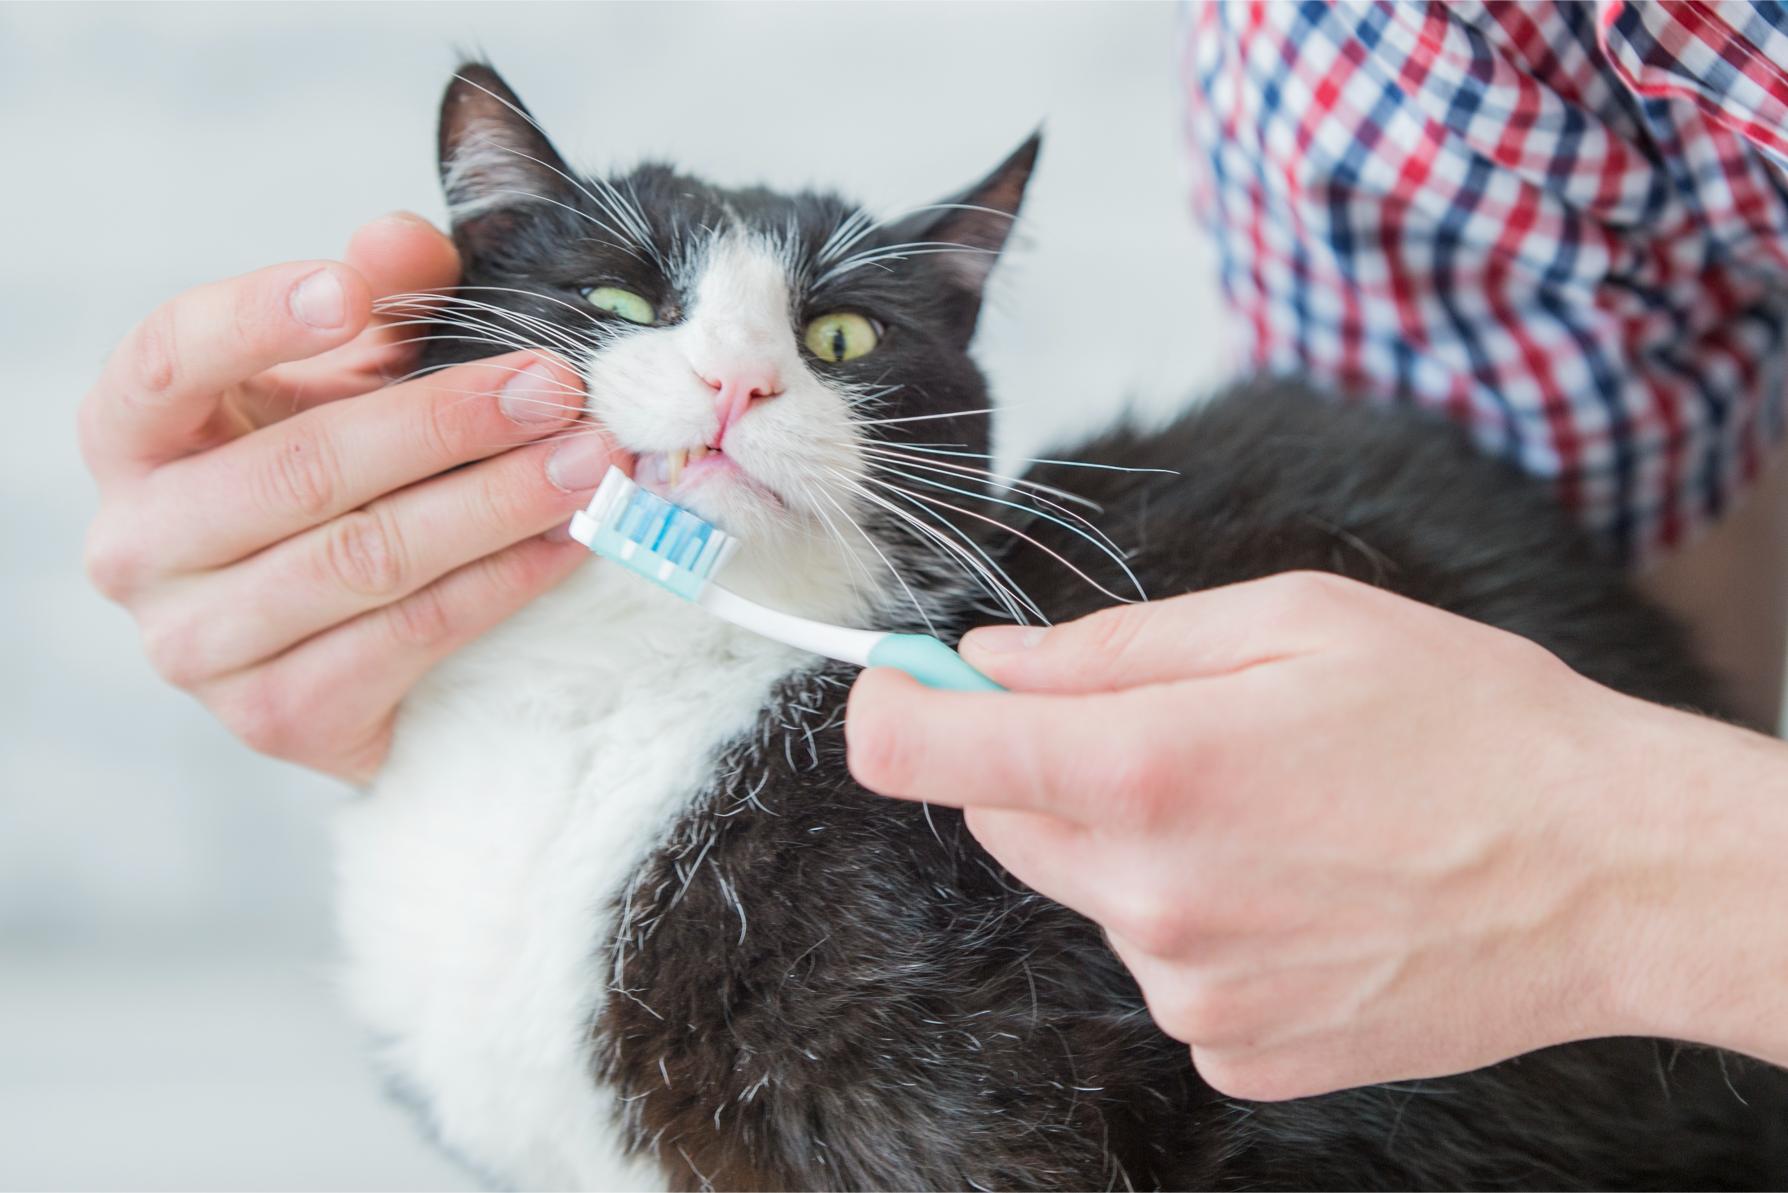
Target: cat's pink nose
(734, 391)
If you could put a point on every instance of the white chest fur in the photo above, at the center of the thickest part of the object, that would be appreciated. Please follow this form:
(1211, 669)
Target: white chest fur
(530, 777)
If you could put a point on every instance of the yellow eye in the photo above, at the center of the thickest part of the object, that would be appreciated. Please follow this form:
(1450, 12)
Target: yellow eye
(624, 303)
(841, 335)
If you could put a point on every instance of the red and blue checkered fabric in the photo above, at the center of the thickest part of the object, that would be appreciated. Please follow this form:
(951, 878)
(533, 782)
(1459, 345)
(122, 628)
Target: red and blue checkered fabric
(1565, 225)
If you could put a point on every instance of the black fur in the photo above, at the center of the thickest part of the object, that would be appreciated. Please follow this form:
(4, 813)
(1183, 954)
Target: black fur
(902, 1015)
(818, 988)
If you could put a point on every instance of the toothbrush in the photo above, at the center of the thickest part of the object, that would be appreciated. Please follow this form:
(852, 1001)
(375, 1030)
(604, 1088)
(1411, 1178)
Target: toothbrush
(679, 551)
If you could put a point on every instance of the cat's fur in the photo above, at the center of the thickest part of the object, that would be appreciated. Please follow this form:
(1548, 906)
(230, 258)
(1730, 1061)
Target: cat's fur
(617, 914)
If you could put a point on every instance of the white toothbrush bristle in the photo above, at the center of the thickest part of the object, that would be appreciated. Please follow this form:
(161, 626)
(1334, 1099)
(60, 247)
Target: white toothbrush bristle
(660, 540)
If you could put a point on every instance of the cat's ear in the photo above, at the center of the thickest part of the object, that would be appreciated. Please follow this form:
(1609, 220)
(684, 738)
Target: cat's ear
(493, 157)
(979, 220)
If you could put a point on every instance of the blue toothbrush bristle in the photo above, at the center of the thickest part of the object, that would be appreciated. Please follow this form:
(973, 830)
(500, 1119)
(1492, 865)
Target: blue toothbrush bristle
(649, 535)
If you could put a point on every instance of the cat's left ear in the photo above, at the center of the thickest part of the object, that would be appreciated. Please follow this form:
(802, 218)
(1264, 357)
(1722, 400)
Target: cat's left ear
(979, 220)
(493, 157)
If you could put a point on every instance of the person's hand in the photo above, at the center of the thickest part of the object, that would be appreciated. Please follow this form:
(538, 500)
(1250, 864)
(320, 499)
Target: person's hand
(1342, 838)
(296, 537)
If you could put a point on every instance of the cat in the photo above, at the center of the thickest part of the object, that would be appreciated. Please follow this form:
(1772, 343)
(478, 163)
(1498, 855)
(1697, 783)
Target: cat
(615, 913)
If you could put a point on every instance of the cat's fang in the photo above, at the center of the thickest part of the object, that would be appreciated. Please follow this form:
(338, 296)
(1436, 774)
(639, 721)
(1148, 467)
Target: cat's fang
(673, 463)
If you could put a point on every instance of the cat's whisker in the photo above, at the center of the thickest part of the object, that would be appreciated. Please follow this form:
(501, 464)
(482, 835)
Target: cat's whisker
(993, 578)
(450, 303)
(471, 322)
(810, 495)
(637, 224)
(569, 391)
(546, 334)
(970, 470)
(1105, 546)
(911, 596)
(1044, 547)
(942, 450)
(1032, 490)
(578, 309)
(897, 253)
(919, 418)
(621, 241)
(851, 229)
(505, 345)
(912, 211)
(521, 336)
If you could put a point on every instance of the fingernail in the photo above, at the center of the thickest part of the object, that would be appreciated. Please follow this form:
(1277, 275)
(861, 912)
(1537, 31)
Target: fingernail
(579, 463)
(1005, 639)
(534, 396)
(318, 301)
(403, 217)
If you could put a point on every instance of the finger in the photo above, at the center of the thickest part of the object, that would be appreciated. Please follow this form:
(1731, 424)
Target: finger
(402, 253)
(230, 502)
(329, 702)
(161, 392)
(1214, 632)
(1046, 853)
(1098, 759)
(398, 254)
(227, 620)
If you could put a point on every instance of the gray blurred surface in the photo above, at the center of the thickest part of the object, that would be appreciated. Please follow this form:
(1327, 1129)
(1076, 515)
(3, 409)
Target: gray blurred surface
(166, 1019)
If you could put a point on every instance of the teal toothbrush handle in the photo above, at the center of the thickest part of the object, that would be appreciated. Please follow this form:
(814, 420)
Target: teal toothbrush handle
(930, 662)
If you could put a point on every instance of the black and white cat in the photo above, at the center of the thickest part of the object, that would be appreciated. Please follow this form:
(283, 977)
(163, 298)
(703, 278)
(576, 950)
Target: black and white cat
(617, 915)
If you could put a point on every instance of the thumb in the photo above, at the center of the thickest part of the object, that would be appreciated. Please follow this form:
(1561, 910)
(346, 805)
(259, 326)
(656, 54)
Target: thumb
(1214, 632)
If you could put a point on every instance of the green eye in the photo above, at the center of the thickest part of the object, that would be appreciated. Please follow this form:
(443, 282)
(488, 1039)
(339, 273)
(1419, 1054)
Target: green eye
(624, 303)
(841, 335)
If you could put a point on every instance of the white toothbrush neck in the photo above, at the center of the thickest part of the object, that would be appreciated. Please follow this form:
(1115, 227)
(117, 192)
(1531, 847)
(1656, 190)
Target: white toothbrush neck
(835, 642)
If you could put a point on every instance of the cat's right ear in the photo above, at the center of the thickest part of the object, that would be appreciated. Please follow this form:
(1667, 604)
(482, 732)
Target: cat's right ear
(493, 157)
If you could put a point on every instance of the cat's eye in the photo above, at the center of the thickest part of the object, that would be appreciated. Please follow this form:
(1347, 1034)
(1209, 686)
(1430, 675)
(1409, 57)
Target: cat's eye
(842, 335)
(624, 303)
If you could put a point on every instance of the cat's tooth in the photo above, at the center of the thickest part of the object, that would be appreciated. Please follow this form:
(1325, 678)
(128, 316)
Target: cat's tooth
(674, 463)
(697, 452)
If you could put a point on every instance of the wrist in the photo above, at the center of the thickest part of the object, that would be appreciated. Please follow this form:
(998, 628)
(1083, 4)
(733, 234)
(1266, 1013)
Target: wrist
(1696, 902)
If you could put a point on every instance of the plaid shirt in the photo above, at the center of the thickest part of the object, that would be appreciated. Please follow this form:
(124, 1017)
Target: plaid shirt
(1565, 225)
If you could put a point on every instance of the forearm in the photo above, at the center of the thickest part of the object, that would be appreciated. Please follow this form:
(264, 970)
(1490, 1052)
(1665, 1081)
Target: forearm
(1701, 948)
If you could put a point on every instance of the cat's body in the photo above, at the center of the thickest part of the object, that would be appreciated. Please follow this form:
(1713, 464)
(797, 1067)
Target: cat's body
(617, 915)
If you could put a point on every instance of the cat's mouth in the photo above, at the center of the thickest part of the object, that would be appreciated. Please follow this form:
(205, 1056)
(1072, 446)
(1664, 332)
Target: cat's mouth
(675, 475)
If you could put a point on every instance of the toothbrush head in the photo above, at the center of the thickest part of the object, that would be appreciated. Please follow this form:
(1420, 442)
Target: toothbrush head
(646, 534)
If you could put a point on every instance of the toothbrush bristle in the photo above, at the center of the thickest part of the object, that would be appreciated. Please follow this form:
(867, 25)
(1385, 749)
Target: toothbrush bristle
(659, 540)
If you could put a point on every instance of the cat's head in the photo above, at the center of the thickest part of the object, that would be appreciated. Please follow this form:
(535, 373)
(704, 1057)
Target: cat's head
(785, 365)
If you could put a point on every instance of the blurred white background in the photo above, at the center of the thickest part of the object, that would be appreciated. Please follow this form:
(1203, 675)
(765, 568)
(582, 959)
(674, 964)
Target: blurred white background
(166, 1019)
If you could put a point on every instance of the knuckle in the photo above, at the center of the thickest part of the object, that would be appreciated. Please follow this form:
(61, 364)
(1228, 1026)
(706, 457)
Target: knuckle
(363, 552)
(257, 315)
(1112, 633)
(112, 563)
(511, 577)
(502, 499)
(1201, 1013)
(169, 644)
(302, 476)
(1137, 782)
(257, 711)
(439, 431)
(1307, 592)
(421, 621)
(1153, 922)
(152, 354)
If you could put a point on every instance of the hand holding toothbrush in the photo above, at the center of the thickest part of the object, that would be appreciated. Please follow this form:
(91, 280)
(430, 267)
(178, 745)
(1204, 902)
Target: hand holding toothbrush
(1342, 838)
